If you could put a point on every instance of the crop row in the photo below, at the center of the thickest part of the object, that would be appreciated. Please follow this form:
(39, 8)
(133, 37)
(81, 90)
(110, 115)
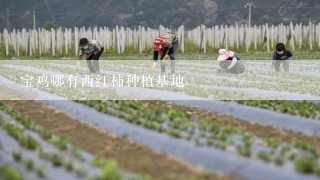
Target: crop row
(205, 84)
(189, 87)
(205, 72)
(67, 157)
(191, 90)
(198, 81)
(302, 108)
(206, 132)
(199, 138)
(240, 81)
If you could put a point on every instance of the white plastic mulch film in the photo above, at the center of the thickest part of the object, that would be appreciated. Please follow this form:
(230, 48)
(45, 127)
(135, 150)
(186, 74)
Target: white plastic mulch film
(145, 80)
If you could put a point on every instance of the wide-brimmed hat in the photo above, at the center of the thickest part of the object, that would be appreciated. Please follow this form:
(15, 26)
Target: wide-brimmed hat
(224, 54)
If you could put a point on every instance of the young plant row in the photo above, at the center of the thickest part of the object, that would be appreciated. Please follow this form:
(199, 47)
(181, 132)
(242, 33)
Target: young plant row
(8, 172)
(106, 168)
(212, 93)
(192, 83)
(63, 91)
(205, 132)
(95, 93)
(240, 81)
(248, 80)
(301, 108)
(200, 138)
(189, 89)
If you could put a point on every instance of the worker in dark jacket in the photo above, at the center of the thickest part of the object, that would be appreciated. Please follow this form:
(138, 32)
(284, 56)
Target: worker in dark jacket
(165, 45)
(229, 62)
(281, 56)
(91, 50)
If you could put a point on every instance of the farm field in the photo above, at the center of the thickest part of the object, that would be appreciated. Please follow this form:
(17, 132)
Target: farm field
(130, 122)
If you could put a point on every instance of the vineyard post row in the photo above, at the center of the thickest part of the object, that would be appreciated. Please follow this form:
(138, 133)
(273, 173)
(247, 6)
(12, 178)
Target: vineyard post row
(122, 39)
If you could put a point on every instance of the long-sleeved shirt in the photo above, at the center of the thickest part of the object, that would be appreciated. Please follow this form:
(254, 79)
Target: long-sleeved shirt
(168, 39)
(285, 56)
(94, 47)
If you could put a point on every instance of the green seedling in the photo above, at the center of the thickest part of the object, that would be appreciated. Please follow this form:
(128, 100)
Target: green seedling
(203, 134)
(232, 141)
(29, 164)
(42, 171)
(98, 161)
(291, 155)
(44, 154)
(7, 172)
(75, 152)
(211, 143)
(263, 155)
(284, 150)
(222, 136)
(247, 139)
(28, 142)
(45, 134)
(279, 160)
(305, 164)
(317, 171)
(56, 160)
(197, 140)
(222, 145)
(109, 171)
(272, 142)
(16, 155)
(62, 144)
(80, 170)
(244, 150)
(69, 165)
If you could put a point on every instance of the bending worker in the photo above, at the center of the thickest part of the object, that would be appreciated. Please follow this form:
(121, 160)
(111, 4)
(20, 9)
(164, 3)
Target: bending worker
(92, 51)
(164, 45)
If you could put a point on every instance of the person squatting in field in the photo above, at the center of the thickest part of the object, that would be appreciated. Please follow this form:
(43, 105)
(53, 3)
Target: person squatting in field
(229, 62)
(91, 50)
(163, 45)
(281, 56)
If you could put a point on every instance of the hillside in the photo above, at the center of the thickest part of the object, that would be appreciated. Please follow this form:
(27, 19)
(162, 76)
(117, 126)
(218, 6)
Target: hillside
(153, 12)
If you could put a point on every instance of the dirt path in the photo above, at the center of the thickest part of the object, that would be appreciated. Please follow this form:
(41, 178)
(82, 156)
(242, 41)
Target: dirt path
(130, 156)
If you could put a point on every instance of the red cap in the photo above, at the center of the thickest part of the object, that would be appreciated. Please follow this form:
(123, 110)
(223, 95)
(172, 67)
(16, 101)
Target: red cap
(158, 43)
